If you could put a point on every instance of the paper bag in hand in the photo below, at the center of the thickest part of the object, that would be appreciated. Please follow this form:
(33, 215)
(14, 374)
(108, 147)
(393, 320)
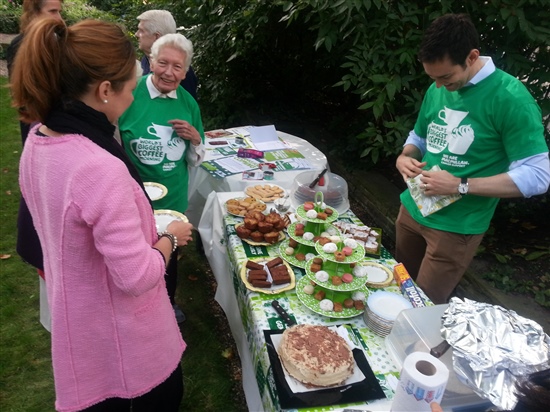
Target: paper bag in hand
(429, 204)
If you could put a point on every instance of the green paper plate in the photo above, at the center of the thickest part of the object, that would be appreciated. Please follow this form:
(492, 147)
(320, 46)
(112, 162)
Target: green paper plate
(313, 304)
(292, 259)
(302, 213)
(357, 255)
(291, 232)
(335, 269)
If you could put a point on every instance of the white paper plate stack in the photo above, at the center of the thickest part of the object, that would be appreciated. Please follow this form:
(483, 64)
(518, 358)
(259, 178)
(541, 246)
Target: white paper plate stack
(382, 310)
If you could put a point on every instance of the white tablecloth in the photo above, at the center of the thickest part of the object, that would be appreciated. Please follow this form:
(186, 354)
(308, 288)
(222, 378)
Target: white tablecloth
(201, 183)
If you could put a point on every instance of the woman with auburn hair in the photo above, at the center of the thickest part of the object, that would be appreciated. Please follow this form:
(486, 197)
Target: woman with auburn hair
(28, 246)
(115, 343)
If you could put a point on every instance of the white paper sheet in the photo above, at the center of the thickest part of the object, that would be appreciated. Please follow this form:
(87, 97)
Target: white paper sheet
(265, 138)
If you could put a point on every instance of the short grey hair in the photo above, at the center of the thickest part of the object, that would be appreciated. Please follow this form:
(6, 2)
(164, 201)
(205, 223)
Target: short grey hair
(158, 21)
(178, 42)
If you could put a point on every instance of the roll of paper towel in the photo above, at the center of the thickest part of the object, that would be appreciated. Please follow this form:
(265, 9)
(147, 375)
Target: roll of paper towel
(423, 380)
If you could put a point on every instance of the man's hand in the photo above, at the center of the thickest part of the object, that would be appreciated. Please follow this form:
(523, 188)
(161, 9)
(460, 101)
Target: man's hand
(408, 166)
(439, 182)
(186, 131)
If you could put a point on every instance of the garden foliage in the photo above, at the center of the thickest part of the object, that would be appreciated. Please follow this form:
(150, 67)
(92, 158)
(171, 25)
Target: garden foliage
(354, 60)
(296, 51)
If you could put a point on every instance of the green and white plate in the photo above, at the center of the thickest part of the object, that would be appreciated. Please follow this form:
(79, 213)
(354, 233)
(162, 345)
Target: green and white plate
(302, 213)
(357, 255)
(292, 258)
(335, 269)
(313, 304)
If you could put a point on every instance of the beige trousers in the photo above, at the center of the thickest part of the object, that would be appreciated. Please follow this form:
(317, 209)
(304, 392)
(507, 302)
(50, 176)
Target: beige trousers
(436, 259)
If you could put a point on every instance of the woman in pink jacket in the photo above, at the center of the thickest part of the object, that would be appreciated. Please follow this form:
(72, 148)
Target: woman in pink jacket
(116, 345)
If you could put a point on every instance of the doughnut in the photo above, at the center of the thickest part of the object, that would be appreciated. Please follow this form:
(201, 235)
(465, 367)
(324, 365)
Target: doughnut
(339, 256)
(348, 303)
(336, 280)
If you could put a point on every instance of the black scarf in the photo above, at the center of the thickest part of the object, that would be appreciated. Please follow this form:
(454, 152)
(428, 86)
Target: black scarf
(73, 116)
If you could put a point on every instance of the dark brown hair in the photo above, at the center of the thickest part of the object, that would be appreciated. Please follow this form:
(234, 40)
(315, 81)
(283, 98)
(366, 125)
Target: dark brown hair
(31, 9)
(451, 35)
(56, 62)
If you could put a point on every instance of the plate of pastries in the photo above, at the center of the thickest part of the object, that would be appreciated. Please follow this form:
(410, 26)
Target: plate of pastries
(240, 206)
(265, 193)
(259, 229)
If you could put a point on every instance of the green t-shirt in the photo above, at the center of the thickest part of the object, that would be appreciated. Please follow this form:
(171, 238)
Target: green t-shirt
(476, 131)
(157, 151)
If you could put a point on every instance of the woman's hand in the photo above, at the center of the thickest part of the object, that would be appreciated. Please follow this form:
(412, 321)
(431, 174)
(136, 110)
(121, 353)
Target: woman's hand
(182, 231)
(186, 131)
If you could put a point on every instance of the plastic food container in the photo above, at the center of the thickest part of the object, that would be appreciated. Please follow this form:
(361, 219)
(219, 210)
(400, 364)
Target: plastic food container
(418, 330)
(335, 190)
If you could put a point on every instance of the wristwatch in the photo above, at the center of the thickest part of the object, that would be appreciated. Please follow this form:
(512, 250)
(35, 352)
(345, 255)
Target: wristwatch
(463, 186)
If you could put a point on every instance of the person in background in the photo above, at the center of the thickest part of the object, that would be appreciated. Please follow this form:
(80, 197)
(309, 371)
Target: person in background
(115, 343)
(28, 245)
(484, 130)
(152, 25)
(162, 132)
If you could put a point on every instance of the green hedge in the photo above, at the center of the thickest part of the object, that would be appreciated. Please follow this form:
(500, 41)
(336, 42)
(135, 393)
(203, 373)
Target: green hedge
(293, 52)
(10, 13)
(73, 11)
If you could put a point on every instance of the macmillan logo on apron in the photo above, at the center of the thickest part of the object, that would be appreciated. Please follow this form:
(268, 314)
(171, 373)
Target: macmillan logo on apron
(162, 142)
(451, 135)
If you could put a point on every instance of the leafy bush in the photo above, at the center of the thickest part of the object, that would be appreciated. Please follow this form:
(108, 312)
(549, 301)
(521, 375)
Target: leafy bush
(76, 10)
(291, 53)
(9, 16)
(73, 11)
(380, 40)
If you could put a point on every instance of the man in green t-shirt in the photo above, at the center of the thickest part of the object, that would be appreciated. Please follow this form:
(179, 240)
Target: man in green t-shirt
(483, 130)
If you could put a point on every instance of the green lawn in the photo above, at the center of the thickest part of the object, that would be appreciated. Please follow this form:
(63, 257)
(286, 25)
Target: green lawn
(26, 380)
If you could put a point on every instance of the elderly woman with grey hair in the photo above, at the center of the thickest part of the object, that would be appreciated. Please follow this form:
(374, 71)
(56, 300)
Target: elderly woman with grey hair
(162, 132)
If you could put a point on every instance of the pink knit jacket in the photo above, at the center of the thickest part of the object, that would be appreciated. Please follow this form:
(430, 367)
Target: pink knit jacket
(114, 333)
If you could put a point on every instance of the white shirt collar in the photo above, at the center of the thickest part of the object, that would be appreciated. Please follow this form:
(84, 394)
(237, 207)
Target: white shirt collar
(154, 92)
(487, 69)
